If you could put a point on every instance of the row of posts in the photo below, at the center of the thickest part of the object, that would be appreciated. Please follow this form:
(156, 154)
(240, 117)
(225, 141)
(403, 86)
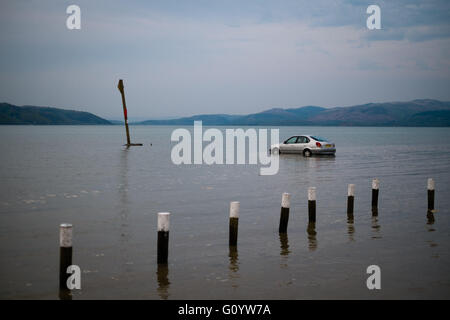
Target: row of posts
(66, 230)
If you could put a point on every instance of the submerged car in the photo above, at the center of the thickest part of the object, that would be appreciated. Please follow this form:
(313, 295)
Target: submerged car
(306, 145)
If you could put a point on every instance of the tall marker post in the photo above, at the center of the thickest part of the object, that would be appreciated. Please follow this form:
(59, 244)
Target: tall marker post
(125, 115)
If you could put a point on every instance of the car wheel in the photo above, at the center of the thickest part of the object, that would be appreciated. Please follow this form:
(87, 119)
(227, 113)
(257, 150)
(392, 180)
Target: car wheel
(275, 151)
(307, 153)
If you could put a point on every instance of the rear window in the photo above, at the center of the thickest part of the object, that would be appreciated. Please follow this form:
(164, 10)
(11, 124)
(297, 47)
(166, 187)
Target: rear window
(319, 138)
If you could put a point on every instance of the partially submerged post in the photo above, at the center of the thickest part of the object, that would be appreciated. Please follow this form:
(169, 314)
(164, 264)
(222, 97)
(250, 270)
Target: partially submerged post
(234, 220)
(65, 258)
(163, 237)
(284, 215)
(430, 194)
(125, 115)
(350, 199)
(375, 187)
(312, 204)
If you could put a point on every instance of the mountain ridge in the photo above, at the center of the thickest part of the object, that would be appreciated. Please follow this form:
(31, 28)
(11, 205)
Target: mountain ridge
(419, 112)
(12, 114)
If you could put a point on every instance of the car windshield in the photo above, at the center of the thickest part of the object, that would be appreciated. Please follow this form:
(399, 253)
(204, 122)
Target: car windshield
(319, 138)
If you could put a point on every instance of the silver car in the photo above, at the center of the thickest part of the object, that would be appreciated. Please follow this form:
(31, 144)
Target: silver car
(306, 145)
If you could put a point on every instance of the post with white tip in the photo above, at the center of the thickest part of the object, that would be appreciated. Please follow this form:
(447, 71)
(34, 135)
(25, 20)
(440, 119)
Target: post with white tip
(65, 254)
(430, 194)
(284, 215)
(234, 221)
(163, 237)
(375, 189)
(350, 199)
(312, 204)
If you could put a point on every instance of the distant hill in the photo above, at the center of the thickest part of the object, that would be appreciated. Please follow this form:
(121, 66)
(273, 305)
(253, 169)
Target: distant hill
(11, 114)
(424, 112)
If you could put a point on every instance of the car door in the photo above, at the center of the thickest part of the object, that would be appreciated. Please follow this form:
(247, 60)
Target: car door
(288, 146)
(301, 144)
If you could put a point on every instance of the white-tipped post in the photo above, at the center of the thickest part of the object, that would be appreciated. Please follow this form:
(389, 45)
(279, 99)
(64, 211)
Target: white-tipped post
(234, 221)
(65, 253)
(284, 215)
(375, 190)
(163, 237)
(350, 199)
(430, 187)
(312, 204)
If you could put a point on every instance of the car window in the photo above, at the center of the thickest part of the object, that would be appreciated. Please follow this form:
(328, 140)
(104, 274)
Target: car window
(319, 138)
(291, 140)
(303, 140)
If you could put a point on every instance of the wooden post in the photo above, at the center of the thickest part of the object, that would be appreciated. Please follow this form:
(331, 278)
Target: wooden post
(125, 116)
(284, 215)
(312, 204)
(163, 237)
(350, 199)
(430, 194)
(234, 221)
(120, 86)
(65, 255)
(375, 187)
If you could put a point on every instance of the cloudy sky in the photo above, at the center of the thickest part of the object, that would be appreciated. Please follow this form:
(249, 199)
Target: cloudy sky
(183, 57)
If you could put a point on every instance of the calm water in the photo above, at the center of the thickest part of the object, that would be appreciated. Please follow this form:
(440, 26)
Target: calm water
(82, 175)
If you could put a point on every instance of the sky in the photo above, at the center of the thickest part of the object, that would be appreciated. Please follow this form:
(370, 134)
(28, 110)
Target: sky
(185, 57)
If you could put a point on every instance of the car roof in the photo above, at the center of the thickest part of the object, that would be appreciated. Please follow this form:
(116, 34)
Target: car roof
(307, 135)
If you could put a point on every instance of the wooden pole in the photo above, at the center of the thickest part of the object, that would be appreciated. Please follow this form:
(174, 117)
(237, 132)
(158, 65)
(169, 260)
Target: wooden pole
(430, 194)
(120, 86)
(284, 215)
(234, 221)
(163, 237)
(312, 204)
(375, 190)
(65, 258)
(125, 116)
(350, 199)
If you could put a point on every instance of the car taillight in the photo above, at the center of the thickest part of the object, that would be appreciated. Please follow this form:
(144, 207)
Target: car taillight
(318, 144)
